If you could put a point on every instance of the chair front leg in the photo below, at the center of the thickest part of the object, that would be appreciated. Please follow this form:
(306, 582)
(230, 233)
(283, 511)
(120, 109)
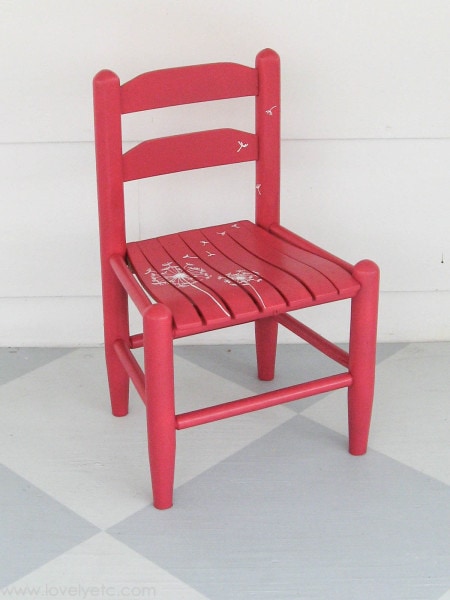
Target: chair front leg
(363, 333)
(160, 403)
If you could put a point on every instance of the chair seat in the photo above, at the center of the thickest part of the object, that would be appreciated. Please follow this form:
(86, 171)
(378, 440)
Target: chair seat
(238, 272)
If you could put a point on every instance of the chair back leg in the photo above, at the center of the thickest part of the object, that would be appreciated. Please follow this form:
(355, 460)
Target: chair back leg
(116, 327)
(266, 332)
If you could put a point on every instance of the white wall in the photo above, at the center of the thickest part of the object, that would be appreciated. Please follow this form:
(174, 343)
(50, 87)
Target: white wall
(366, 147)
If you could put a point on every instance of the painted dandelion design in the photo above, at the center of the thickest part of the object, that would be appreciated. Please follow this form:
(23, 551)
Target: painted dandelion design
(197, 272)
(245, 278)
(270, 111)
(174, 274)
(155, 277)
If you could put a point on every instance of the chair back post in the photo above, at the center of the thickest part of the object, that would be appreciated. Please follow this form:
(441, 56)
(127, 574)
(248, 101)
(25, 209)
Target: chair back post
(111, 209)
(268, 132)
(108, 144)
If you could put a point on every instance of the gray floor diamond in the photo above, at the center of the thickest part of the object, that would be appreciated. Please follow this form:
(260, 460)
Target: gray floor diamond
(267, 506)
(15, 362)
(294, 516)
(34, 527)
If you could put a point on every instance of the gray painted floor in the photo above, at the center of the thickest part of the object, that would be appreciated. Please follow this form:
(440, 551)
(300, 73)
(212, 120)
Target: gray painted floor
(267, 505)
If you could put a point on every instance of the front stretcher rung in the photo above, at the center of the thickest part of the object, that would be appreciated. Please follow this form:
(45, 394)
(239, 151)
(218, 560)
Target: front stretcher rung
(266, 400)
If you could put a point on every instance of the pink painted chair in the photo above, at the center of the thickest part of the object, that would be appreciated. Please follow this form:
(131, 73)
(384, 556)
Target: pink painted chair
(200, 280)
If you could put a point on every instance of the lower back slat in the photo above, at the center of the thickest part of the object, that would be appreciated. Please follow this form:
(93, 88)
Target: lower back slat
(189, 151)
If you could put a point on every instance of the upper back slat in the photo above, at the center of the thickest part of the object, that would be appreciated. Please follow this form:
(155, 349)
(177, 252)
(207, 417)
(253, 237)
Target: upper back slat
(186, 85)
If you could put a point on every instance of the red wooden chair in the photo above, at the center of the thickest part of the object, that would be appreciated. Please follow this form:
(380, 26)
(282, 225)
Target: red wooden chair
(235, 272)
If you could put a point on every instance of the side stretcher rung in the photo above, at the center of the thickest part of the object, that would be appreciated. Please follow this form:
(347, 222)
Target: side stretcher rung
(131, 366)
(315, 339)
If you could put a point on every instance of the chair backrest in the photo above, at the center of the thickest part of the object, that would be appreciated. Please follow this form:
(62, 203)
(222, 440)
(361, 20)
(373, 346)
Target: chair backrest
(185, 85)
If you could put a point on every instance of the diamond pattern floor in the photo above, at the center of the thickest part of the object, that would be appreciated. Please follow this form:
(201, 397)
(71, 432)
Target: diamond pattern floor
(267, 505)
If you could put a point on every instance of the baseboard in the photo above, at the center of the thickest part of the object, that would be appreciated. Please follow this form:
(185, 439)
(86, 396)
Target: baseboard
(77, 321)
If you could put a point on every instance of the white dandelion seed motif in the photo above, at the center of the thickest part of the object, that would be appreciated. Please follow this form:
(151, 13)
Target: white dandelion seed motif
(204, 242)
(236, 226)
(270, 111)
(155, 277)
(258, 189)
(197, 272)
(221, 233)
(244, 278)
(182, 278)
(226, 280)
(209, 254)
(242, 145)
(187, 256)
